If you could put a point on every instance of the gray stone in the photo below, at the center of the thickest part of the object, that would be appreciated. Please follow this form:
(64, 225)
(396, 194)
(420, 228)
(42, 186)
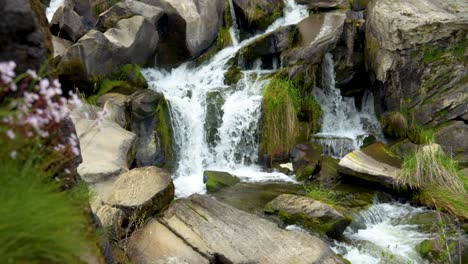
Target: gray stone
(67, 24)
(316, 4)
(116, 106)
(217, 230)
(305, 159)
(310, 213)
(60, 48)
(113, 219)
(453, 136)
(142, 191)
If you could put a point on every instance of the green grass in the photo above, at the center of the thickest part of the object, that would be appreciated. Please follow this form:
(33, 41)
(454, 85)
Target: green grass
(39, 224)
(323, 194)
(430, 166)
(420, 134)
(280, 105)
(395, 125)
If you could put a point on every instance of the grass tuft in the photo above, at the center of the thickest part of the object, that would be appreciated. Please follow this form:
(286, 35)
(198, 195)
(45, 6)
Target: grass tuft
(420, 135)
(323, 194)
(430, 166)
(395, 125)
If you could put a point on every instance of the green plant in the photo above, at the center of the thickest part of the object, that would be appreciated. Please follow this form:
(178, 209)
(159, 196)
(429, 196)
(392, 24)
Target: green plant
(323, 194)
(395, 124)
(223, 39)
(430, 166)
(420, 135)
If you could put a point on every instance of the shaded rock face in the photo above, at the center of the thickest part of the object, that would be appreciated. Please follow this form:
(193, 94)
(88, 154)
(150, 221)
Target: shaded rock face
(67, 24)
(312, 214)
(220, 231)
(24, 34)
(60, 48)
(453, 137)
(253, 16)
(318, 34)
(417, 51)
(375, 164)
(305, 158)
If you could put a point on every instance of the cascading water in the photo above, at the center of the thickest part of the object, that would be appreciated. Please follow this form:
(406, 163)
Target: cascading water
(53, 6)
(377, 237)
(187, 89)
(344, 127)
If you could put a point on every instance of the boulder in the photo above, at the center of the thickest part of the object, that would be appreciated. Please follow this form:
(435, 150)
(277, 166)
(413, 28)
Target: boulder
(305, 158)
(319, 4)
(127, 9)
(328, 174)
(112, 218)
(142, 191)
(67, 24)
(315, 215)
(24, 35)
(318, 34)
(133, 40)
(223, 233)
(375, 164)
(156, 244)
(417, 51)
(216, 180)
(116, 106)
(453, 137)
(257, 15)
(60, 48)
(149, 122)
(106, 149)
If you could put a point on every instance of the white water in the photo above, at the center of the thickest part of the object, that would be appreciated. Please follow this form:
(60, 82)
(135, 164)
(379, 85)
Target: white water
(376, 238)
(344, 127)
(53, 6)
(186, 88)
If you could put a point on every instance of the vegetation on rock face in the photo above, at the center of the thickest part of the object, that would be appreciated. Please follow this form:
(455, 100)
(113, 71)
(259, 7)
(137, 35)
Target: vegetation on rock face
(394, 124)
(322, 194)
(164, 130)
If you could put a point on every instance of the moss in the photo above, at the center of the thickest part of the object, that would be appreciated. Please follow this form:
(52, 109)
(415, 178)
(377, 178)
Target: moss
(164, 130)
(100, 6)
(223, 39)
(322, 227)
(106, 86)
(427, 250)
(306, 172)
(131, 73)
(262, 21)
(280, 105)
(215, 180)
(232, 75)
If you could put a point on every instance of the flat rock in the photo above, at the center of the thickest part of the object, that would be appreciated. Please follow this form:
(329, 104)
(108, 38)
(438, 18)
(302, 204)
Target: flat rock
(218, 230)
(310, 213)
(374, 163)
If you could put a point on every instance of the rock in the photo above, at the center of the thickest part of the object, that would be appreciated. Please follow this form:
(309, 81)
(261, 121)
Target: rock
(257, 15)
(127, 9)
(374, 163)
(220, 232)
(417, 51)
(358, 5)
(404, 148)
(453, 137)
(60, 48)
(113, 219)
(307, 212)
(433, 249)
(116, 106)
(328, 174)
(156, 244)
(216, 180)
(85, 8)
(149, 122)
(106, 149)
(142, 191)
(305, 158)
(319, 34)
(134, 40)
(318, 4)
(67, 24)
(24, 35)
(214, 117)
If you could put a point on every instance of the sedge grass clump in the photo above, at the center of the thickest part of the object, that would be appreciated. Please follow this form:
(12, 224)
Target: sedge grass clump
(280, 105)
(430, 166)
(323, 194)
(420, 134)
(395, 124)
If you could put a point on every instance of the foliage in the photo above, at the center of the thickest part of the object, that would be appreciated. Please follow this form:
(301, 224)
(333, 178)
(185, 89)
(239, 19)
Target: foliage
(280, 105)
(420, 135)
(323, 194)
(223, 39)
(430, 166)
(395, 125)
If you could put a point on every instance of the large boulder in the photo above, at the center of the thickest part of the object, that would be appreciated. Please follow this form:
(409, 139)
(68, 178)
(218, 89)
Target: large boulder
(67, 24)
(223, 233)
(133, 40)
(318, 35)
(317, 4)
(142, 191)
(315, 215)
(305, 159)
(418, 53)
(257, 15)
(24, 34)
(374, 163)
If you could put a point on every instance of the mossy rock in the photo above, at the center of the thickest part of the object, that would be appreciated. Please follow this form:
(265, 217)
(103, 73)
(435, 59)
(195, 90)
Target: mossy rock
(164, 131)
(214, 115)
(428, 249)
(306, 159)
(131, 73)
(232, 75)
(380, 152)
(216, 180)
(328, 175)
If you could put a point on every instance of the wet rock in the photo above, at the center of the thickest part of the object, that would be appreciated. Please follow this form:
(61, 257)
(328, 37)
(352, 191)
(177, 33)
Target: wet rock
(214, 117)
(217, 230)
(317, 4)
(319, 34)
(156, 244)
(24, 34)
(127, 9)
(216, 180)
(67, 24)
(305, 158)
(257, 15)
(374, 163)
(310, 213)
(142, 191)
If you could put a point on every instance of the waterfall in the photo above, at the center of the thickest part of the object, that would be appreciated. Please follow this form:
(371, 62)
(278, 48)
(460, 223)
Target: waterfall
(375, 234)
(189, 89)
(344, 128)
(53, 6)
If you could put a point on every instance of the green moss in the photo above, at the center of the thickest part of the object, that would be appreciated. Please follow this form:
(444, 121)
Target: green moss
(215, 180)
(232, 75)
(223, 39)
(262, 20)
(164, 130)
(131, 73)
(107, 86)
(322, 227)
(280, 105)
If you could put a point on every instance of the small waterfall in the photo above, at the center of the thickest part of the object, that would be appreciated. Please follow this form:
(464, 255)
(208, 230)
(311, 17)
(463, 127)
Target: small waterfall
(234, 30)
(187, 89)
(375, 236)
(53, 6)
(344, 128)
